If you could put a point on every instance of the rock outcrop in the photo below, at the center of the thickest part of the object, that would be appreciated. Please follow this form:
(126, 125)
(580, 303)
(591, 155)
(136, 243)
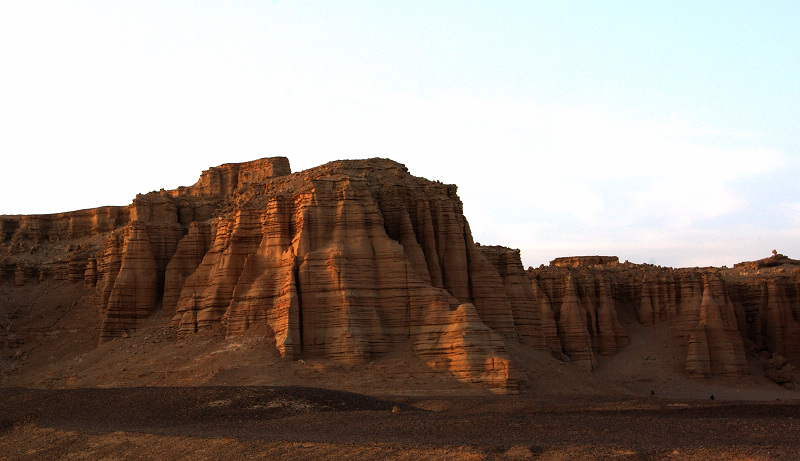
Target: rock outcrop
(56, 246)
(719, 316)
(353, 259)
(775, 260)
(345, 261)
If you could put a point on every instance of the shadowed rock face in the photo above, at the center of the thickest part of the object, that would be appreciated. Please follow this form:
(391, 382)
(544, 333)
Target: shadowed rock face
(717, 315)
(354, 258)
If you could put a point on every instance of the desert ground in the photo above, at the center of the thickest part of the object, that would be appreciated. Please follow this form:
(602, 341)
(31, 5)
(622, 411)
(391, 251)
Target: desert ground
(152, 395)
(244, 422)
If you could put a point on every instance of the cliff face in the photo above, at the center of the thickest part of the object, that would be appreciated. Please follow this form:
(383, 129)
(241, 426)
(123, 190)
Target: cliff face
(353, 259)
(58, 246)
(346, 261)
(717, 315)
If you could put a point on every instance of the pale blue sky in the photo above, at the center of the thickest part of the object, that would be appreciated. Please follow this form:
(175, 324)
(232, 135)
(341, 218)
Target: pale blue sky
(666, 133)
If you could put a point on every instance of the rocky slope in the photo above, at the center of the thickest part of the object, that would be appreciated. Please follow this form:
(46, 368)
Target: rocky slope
(352, 260)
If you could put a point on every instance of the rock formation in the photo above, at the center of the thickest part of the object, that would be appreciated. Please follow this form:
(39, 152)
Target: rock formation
(718, 315)
(353, 259)
(345, 261)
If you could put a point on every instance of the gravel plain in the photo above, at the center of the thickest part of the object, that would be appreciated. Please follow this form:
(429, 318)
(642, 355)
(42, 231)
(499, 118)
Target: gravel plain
(269, 422)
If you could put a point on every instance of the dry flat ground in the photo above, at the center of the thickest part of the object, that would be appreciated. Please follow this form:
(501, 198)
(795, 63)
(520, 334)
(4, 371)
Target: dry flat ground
(246, 422)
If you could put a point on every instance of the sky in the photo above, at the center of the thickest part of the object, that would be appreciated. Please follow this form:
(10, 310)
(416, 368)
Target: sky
(660, 132)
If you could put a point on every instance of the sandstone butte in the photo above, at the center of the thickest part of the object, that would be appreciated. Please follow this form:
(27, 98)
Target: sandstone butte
(352, 259)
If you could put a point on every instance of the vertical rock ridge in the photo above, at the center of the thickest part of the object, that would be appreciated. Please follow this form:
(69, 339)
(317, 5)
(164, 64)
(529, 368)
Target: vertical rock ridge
(701, 313)
(134, 294)
(573, 330)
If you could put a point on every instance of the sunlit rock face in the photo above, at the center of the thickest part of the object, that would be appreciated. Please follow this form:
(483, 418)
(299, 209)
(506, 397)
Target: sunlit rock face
(346, 261)
(353, 259)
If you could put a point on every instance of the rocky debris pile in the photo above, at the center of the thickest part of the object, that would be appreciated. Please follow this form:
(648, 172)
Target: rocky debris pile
(779, 370)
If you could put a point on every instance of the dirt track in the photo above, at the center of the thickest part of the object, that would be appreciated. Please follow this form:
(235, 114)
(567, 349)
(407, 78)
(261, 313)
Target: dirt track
(308, 423)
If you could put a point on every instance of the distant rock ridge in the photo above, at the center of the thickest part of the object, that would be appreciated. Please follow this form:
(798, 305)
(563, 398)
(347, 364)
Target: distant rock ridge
(584, 261)
(354, 258)
(775, 260)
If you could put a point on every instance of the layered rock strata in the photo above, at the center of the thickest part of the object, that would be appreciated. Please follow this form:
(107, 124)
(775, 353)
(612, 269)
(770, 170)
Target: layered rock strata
(345, 261)
(354, 258)
(717, 315)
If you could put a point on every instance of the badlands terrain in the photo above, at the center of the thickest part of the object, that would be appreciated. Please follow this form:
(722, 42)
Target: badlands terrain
(345, 311)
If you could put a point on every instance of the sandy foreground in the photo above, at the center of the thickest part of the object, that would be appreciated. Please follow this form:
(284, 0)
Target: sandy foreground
(243, 422)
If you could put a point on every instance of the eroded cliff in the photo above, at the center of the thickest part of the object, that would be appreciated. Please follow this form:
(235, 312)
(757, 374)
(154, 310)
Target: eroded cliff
(355, 259)
(346, 261)
(719, 316)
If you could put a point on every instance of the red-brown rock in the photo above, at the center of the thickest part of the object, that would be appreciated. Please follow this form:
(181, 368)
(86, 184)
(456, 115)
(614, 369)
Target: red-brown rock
(353, 259)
